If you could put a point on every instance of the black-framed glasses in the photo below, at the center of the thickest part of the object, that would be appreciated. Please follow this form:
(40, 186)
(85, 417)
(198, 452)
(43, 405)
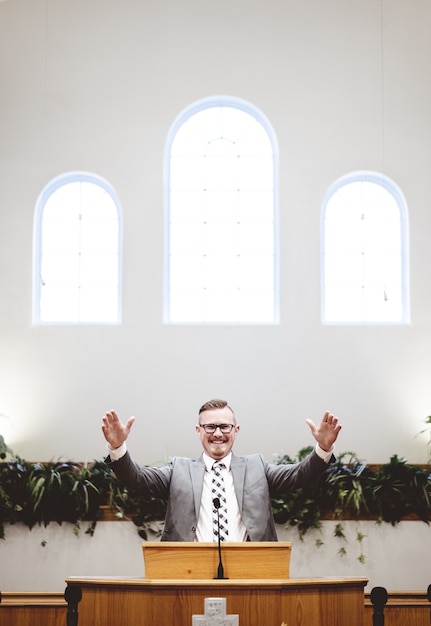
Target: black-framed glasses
(210, 429)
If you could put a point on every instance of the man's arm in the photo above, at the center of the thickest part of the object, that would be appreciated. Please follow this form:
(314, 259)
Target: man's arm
(147, 481)
(285, 478)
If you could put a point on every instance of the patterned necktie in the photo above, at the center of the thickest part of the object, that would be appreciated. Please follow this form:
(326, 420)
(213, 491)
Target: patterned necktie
(218, 491)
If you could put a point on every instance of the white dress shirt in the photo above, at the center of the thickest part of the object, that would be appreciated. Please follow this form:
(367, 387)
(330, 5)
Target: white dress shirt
(236, 529)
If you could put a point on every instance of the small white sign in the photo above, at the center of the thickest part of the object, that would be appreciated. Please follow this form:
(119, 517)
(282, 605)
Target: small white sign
(215, 614)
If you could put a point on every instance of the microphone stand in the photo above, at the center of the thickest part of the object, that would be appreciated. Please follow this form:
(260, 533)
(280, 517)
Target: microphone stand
(220, 569)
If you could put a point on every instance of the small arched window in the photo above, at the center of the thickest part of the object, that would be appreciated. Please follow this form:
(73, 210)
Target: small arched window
(365, 256)
(77, 252)
(221, 253)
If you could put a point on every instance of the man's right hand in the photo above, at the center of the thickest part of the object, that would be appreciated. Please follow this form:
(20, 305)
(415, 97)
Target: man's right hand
(114, 431)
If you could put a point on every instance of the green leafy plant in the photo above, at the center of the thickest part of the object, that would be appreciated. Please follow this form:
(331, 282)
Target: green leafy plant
(400, 490)
(65, 491)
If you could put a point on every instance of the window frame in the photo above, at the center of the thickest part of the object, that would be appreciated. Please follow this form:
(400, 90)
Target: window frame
(189, 111)
(49, 189)
(391, 187)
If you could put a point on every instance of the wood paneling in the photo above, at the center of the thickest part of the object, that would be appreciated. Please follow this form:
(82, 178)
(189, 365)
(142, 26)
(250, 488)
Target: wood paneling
(141, 602)
(32, 609)
(403, 608)
(198, 560)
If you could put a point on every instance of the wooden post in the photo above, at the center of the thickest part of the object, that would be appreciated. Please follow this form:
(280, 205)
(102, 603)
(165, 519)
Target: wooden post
(72, 595)
(379, 597)
(429, 597)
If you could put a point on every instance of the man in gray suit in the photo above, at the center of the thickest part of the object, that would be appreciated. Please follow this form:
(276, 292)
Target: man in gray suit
(248, 482)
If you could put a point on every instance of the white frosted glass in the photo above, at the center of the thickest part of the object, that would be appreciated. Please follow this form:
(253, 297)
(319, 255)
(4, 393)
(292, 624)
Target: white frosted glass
(222, 238)
(221, 215)
(343, 305)
(90, 195)
(79, 247)
(188, 141)
(100, 206)
(59, 305)
(187, 272)
(256, 272)
(256, 205)
(339, 211)
(235, 123)
(187, 305)
(221, 305)
(222, 205)
(343, 271)
(187, 239)
(221, 149)
(351, 195)
(382, 271)
(344, 239)
(188, 173)
(363, 220)
(257, 239)
(255, 173)
(254, 142)
(98, 305)
(60, 270)
(221, 172)
(221, 271)
(382, 237)
(64, 202)
(60, 235)
(99, 236)
(256, 306)
(99, 270)
(382, 305)
(187, 205)
(208, 122)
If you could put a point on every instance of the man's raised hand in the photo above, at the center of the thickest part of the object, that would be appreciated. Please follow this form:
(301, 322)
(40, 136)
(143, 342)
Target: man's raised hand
(114, 431)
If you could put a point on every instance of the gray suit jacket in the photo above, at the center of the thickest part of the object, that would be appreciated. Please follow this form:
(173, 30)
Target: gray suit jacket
(181, 483)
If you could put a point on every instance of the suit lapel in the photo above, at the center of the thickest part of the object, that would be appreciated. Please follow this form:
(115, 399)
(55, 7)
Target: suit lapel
(197, 473)
(237, 467)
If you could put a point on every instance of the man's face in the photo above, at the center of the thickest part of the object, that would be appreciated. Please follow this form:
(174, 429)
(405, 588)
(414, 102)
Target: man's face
(217, 445)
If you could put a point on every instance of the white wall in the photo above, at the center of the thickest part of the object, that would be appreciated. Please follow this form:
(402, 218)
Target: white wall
(95, 85)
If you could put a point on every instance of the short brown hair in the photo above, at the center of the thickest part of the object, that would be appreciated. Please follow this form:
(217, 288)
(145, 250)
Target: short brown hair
(216, 404)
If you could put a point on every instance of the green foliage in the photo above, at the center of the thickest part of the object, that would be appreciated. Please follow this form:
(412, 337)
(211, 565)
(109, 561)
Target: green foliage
(399, 490)
(41, 493)
(350, 489)
(64, 491)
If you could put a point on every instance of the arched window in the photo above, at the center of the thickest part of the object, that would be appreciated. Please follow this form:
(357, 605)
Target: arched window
(77, 252)
(365, 256)
(221, 253)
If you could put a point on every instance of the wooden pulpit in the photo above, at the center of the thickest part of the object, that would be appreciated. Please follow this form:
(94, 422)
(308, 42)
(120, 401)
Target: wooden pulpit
(197, 561)
(181, 577)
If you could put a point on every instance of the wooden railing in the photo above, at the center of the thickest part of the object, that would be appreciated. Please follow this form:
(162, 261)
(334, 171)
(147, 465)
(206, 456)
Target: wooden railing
(397, 608)
(32, 609)
(402, 608)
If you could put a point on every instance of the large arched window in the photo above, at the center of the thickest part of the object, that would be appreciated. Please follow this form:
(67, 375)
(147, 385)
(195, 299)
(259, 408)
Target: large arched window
(221, 252)
(365, 256)
(77, 252)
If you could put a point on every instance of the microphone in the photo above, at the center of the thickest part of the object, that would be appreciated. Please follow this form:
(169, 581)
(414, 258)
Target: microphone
(220, 569)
